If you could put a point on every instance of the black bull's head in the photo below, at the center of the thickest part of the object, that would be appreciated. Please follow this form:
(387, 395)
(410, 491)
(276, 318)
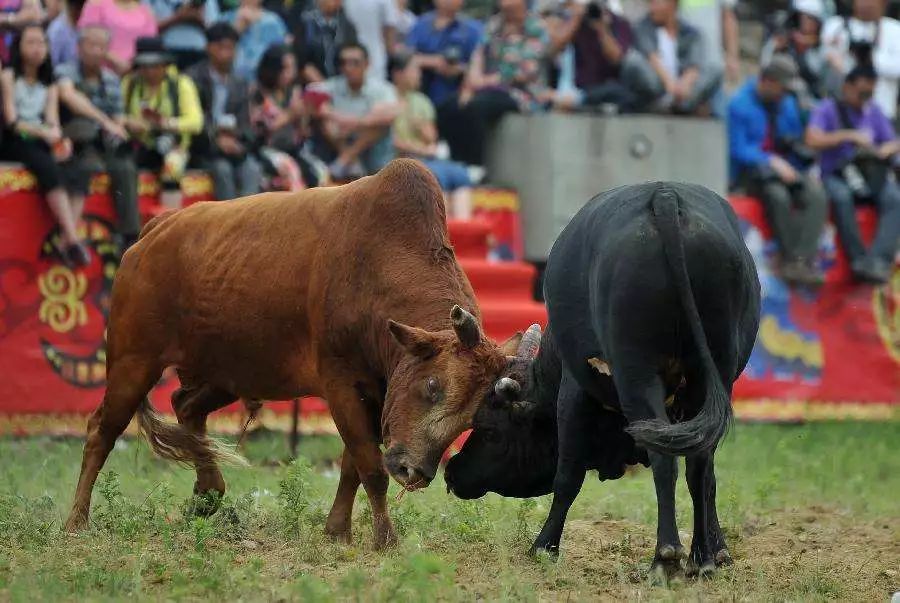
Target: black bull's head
(512, 449)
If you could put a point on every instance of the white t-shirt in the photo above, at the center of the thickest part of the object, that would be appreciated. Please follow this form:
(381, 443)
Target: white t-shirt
(370, 17)
(706, 15)
(885, 56)
(667, 47)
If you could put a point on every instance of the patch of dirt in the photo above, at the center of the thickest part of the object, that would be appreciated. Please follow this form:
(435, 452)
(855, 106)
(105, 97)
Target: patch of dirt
(811, 553)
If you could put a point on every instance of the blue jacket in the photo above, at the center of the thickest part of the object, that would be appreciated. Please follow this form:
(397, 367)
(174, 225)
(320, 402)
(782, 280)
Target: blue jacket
(747, 125)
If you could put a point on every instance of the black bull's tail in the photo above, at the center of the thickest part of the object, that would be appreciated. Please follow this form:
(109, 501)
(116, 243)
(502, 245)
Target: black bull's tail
(704, 431)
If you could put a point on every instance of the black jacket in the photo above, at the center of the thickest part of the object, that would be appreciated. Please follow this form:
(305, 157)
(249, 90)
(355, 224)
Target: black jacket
(237, 104)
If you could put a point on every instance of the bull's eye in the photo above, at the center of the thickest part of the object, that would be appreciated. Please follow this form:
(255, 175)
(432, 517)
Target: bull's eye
(433, 390)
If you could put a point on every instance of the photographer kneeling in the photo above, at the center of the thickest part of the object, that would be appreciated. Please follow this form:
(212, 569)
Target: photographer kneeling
(764, 131)
(162, 113)
(858, 146)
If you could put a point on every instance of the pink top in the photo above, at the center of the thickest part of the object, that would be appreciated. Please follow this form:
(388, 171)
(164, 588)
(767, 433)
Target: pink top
(125, 25)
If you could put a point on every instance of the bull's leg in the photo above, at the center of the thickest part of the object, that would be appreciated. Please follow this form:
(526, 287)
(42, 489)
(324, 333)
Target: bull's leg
(192, 405)
(337, 526)
(129, 381)
(708, 548)
(642, 395)
(353, 419)
(573, 415)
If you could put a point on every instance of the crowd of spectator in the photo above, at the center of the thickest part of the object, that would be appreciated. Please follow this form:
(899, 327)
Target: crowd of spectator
(289, 94)
(817, 125)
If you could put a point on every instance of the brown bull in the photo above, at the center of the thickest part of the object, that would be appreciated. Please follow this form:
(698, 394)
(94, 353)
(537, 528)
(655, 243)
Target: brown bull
(291, 294)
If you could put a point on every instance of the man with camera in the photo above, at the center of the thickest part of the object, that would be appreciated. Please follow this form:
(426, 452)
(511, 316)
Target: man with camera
(868, 36)
(162, 113)
(764, 131)
(443, 41)
(858, 148)
(224, 147)
(601, 42)
(92, 95)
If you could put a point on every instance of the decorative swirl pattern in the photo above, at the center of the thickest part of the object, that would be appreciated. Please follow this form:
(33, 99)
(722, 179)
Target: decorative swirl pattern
(886, 308)
(62, 308)
(788, 344)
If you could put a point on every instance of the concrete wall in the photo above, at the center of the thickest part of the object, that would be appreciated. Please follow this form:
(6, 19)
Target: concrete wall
(558, 162)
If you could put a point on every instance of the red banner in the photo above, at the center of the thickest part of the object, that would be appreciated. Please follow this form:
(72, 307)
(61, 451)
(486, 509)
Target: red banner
(830, 353)
(834, 353)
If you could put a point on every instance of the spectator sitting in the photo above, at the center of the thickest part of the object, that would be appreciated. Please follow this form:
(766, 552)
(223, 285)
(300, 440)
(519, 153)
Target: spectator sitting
(126, 21)
(800, 38)
(443, 41)
(93, 96)
(356, 124)
(259, 29)
(866, 37)
(162, 113)
(600, 43)
(62, 34)
(718, 26)
(31, 112)
(675, 74)
(226, 141)
(857, 143)
(764, 127)
(506, 75)
(318, 35)
(376, 24)
(415, 135)
(182, 25)
(14, 15)
(277, 113)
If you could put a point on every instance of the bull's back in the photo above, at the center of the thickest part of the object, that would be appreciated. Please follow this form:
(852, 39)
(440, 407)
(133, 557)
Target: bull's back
(221, 289)
(608, 279)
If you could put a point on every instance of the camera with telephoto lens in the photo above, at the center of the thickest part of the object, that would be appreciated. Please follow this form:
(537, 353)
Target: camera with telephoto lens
(596, 9)
(861, 51)
(793, 145)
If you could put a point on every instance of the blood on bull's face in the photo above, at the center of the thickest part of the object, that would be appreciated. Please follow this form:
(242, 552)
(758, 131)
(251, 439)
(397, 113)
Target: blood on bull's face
(433, 394)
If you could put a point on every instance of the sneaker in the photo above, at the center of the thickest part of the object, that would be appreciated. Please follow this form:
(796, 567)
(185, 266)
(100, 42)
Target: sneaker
(871, 269)
(78, 255)
(811, 275)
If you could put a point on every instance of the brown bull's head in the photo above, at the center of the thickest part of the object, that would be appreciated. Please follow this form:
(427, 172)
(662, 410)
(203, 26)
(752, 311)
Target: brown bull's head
(433, 393)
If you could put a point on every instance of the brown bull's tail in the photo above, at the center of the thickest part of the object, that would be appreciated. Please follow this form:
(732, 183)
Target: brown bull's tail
(175, 443)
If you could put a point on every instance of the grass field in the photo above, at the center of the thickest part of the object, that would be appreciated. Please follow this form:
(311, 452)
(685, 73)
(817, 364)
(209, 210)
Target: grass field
(811, 513)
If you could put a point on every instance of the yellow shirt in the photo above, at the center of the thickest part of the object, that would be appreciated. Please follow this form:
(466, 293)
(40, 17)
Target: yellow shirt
(189, 121)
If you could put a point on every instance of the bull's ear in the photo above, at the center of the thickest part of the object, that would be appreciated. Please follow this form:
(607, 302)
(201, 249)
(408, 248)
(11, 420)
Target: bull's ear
(417, 342)
(511, 345)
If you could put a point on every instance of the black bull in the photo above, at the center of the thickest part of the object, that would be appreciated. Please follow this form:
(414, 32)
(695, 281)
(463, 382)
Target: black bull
(653, 301)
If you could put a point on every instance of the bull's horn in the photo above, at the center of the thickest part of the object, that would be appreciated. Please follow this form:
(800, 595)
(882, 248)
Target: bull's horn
(466, 327)
(531, 342)
(508, 389)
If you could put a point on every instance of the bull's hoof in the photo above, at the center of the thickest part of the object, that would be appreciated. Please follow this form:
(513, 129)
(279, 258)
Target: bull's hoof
(548, 549)
(385, 539)
(705, 570)
(76, 523)
(203, 504)
(666, 567)
(723, 557)
(340, 534)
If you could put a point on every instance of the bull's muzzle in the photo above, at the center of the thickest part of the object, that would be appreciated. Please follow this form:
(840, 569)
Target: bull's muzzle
(411, 473)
